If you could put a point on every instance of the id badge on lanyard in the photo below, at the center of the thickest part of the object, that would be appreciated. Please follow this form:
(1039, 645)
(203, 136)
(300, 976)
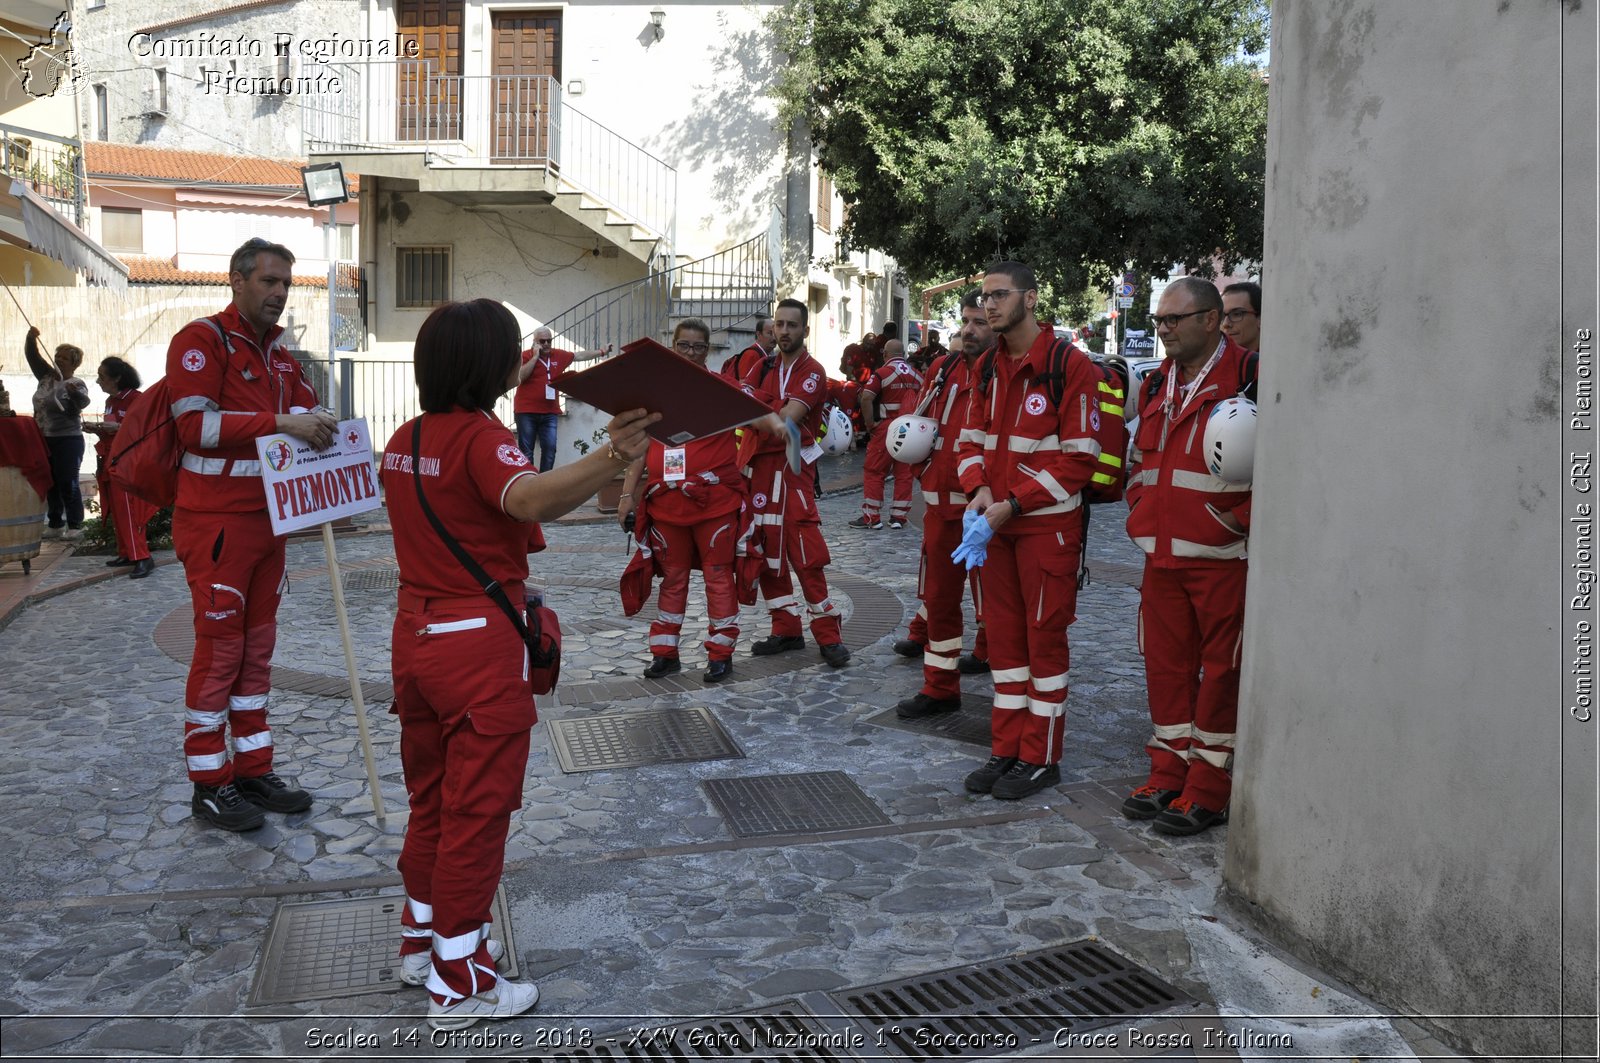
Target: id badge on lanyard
(1173, 407)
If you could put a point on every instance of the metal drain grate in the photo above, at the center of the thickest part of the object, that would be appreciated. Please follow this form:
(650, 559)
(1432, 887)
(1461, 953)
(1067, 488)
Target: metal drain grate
(1006, 1006)
(810, 803)
(969, 724)
(632, 739)
(372, 579)
(782, 1032)
(320, 950)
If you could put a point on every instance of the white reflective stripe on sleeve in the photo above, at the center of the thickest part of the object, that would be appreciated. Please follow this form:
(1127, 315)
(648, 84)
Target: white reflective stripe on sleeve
(421, 913)
(250, 743)
(1048, 482)
(990, 441)
(1059, 507)
(507, 488)
(1019, 445)
(246, 702)
(209, 762)
(1147, 543)
(1048, 682)
(669, 618)
(1048, 709)
(667, 641)
(1213, 738)
(967, 463)
(1084, 445)
(1009, 675)
(211, 428)
(1185, 548)
(1204, 481)
(217, 466)
(769, 518)
(1011, 701)
(971, 435)
(1142, 477)
(945, 645)
(940, 661)
(455, 625)
(1172, 730)
(1217, 758)
(931, 497)
(459, 947)
(245, 468)
(190, 403)
(205, 719)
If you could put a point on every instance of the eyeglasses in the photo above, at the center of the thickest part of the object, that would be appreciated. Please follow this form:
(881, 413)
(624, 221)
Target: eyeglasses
(998, 295)
(1171, 320)
(691, 348)
(1233, 317)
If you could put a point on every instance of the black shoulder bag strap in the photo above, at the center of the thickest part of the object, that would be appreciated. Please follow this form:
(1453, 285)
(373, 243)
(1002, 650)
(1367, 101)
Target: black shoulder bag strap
(490, 585)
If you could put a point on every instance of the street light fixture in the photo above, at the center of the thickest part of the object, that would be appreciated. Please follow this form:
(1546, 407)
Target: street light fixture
(325, 187)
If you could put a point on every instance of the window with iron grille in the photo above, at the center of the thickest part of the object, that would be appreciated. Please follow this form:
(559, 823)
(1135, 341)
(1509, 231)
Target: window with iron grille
(422, 276)
(122, 229)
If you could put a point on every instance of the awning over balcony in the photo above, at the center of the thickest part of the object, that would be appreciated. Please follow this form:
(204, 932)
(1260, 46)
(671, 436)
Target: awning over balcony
(48, 233)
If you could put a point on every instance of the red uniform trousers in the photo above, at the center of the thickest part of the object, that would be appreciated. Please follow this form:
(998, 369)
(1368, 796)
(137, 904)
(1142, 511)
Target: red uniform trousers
(234, 566)
(937, 624)
(791, 536)
(464, 737)
(128, 516)
(878, 465)
(709, 547)
(1030, 585)
(1191, 628)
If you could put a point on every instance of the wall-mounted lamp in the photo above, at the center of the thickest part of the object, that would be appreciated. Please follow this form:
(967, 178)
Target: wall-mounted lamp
(657, 19)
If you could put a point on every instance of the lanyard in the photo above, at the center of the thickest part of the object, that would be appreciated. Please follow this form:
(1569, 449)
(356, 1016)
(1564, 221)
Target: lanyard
(1193, 389)
(783, 380)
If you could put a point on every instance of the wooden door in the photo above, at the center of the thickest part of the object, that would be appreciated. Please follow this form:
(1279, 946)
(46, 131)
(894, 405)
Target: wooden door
(527, 72)
(429, 87)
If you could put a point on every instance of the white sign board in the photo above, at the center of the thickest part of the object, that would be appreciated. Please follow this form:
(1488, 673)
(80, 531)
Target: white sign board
(1125, 302)
(307, 487)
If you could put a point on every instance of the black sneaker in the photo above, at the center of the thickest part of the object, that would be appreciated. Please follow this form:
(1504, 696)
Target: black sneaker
(142, 568)
(718, 672)
(983, 780)
(1024, 779)
(118, 562)
(1183, 816)
(1148, 802)
(920, 705)
(866, 524)
(970, 665)
(224, 806)
(273, 794)
(835, 653)
(663, 666)
(908, 647)
(777, 644)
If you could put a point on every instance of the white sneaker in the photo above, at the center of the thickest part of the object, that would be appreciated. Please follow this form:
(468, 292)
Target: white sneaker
(52, 533)
(415, 968)
(72, 533)
(503, 1001)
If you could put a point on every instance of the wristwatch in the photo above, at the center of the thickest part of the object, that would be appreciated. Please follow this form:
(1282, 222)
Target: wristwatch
(1016, 507)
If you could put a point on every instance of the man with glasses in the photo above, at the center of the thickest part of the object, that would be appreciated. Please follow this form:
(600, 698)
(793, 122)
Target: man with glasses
(887, 394)
(686, 502)
(231, 380)
(1241, 314)
(1193, 529)
(537, 409)
(1024, 459)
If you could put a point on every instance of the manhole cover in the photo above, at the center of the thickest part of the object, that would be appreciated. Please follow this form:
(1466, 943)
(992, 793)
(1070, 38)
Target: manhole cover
(783, 1031)
(968, 724)
(372, 579)
(1005, 1006)
(319, 950)
(809, 803)
(632, 739)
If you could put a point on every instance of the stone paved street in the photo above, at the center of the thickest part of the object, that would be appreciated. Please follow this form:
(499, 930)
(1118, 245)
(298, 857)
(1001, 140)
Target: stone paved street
(131, 931)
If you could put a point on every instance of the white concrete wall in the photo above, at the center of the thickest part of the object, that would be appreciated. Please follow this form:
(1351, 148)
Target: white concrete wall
(1400, 809)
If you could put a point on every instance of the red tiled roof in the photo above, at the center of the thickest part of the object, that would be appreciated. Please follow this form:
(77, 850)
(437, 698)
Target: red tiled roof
(193, 167)
(143, 270)
(204, 16)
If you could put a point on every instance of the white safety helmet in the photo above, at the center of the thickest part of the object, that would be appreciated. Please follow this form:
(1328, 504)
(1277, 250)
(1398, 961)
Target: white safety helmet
(837, 432)
(1230, 440)
(911, 438)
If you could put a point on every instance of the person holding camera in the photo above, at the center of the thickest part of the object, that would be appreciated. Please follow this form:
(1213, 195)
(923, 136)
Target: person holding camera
(58, 405)
(464, 733)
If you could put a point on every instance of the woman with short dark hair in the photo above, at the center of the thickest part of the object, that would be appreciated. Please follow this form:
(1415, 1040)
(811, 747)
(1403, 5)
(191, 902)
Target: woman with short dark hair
(127, 514)
(460, 668)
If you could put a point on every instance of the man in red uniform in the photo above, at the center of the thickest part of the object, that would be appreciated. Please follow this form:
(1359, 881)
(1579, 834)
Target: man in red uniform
(785, 502)
(688, 500)
(936, 629)
(889, 392)
(1193, 529)
(1024, 461)
(231, 382)
(535, 405)
(735, 367)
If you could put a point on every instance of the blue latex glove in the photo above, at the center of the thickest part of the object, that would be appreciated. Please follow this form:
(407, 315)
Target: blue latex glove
(975, 536)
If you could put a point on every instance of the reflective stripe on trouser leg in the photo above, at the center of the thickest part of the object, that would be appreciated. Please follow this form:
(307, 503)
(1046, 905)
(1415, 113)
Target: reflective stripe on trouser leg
(416, 927)
(247, 715)
(1217, 598)
(905, 482)
(943, 580)
(874, 469)
(808, 561)
(714, 542)
(1171, 643)
(674, 593)
(1010, 648)
(1030, 599)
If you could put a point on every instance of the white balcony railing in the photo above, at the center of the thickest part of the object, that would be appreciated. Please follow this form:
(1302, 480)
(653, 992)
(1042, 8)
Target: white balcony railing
(489, 120)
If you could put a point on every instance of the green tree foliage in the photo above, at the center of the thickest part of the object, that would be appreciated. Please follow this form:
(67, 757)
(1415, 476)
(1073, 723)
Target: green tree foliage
(1080, 136)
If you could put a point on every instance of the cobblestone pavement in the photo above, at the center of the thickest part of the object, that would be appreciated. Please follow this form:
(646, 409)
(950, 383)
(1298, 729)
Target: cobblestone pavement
(130, 931)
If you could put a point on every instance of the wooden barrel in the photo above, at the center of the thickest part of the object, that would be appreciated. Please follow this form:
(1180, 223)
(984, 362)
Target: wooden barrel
(21, 517)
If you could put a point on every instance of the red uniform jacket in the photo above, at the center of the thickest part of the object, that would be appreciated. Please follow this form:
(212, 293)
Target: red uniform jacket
(803, 381)
(895, 387)
(1016, 444)
(941, 486)
(222, 403)
(1175, 505)
(533, 394)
